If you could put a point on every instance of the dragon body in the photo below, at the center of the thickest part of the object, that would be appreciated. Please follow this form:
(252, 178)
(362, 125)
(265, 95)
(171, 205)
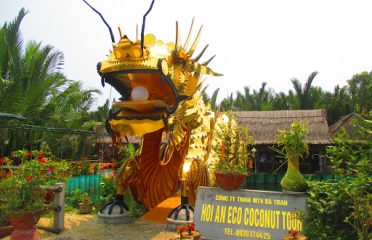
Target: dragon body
(161, 96)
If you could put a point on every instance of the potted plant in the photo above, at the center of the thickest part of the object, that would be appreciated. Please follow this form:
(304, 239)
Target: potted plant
(22, 200)
(294, 235)
(22, 196)
(188, 232)
(232, 148)
(293, 148)
(85, 204)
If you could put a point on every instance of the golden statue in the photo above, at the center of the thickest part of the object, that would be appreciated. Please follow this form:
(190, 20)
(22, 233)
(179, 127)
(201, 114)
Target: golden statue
(161, 97)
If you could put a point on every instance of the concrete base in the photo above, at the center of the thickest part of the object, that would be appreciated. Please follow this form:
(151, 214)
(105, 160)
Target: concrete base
(115, 217)
(172, 224)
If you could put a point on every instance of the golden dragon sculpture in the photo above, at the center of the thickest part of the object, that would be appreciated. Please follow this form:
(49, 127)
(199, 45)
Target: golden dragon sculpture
(161, 97)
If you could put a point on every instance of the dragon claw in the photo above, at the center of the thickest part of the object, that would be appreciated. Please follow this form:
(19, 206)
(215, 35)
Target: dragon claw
(119, 201)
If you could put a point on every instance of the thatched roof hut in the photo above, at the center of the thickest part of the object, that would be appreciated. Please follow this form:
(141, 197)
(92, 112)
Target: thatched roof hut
(345, 122)
(264, 125)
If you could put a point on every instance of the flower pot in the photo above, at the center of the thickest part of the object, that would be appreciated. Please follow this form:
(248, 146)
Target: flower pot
(85, 208)
(229, 181)
(195, 235)
(291, 237)
(6, 231)
(24, 225)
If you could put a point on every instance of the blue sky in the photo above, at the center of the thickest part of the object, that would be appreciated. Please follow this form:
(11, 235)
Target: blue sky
(255, 41)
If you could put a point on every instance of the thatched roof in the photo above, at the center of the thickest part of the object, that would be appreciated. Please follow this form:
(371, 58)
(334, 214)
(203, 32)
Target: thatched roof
(345, 122)
(264, 125)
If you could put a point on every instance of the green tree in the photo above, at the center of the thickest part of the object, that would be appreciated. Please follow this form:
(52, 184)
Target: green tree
(32, 84)
(261, 99)
(280, 101)
(343, 210)
(228, 103)
(303, 94)
(360, 89)
(100, 115)
(339, 105)
(29, 76)
(243, 101)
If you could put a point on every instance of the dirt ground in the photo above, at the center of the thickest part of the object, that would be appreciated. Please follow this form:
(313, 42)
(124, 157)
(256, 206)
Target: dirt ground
(88, 227)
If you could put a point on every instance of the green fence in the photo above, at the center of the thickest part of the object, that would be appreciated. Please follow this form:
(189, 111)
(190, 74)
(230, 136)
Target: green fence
(87, 183)
(271, 182)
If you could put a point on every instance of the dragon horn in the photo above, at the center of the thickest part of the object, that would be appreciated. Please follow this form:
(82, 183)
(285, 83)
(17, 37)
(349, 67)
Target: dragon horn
(136, 31)
(143, 26)
(189, 35)
(201, 53)
(200, 69)
(178, 37)
(208, 61)
(103, 19)
(194, 45)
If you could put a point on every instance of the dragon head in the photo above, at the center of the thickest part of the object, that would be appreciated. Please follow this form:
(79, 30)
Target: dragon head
(152, 77)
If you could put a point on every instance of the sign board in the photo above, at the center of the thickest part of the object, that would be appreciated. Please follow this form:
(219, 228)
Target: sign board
(247, 214)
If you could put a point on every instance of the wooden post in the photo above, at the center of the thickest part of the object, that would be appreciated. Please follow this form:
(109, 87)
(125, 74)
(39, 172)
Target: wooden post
(59, 202)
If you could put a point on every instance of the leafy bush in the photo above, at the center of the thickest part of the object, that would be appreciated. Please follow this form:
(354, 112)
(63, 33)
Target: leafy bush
(294, 147)
(78, 196)
(343, 210)
(107, 192)
(328, 206)
(232, 145)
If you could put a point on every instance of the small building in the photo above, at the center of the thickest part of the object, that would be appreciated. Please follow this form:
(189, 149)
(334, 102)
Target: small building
(264, 126)
(345, 122)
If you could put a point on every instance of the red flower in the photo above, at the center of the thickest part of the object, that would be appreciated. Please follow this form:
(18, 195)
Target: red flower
(29, 154)
(294, 233)
(40, 155)
(191, 227)
(182, 229)
(42, 160)
(28, 178)
(176, 229)
(1, 160)
(50, 169)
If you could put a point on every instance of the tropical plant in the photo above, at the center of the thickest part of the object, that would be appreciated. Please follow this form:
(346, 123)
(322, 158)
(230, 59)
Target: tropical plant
(339, 104)
(77, 196)
(32, 85)
(213, 100)
(360, 89)
(22, 190)
(343, 210)
(352, 158)
(303, 94)
(233, 150)
(293, 148)
(186, 231)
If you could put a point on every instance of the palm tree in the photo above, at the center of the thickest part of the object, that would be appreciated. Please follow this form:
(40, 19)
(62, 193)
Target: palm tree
(340, 104)
(227, 103)
(280, 101)
(261, 99)
(243, 101)
(303, 94)
(32, 85)
(29, 76)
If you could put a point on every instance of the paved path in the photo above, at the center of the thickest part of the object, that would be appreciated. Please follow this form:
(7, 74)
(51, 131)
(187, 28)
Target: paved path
(88, 227)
